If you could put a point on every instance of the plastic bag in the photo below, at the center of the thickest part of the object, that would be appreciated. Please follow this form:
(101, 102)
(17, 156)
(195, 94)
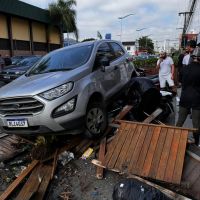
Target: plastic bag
(131, 189)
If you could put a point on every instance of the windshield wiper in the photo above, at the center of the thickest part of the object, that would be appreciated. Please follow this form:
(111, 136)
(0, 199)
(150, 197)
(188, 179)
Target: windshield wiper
(51, 70)
(57, 70)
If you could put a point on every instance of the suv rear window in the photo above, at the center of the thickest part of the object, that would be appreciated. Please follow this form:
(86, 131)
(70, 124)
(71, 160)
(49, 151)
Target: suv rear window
(63, 60)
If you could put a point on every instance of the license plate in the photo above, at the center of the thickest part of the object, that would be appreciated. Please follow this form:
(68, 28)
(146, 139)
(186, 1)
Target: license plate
(13, 123)
(7, 77)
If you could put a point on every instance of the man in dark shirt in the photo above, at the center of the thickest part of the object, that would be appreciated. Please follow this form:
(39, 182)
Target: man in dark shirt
(190, 95)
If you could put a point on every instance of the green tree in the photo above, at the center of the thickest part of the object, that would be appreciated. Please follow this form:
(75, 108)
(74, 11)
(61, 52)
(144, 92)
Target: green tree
(146, 44)
(63, 13)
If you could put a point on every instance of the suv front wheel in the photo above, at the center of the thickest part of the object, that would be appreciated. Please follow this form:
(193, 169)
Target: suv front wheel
(95, 120)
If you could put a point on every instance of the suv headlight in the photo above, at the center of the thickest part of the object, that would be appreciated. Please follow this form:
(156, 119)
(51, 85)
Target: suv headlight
(65, 108)
(57, 92)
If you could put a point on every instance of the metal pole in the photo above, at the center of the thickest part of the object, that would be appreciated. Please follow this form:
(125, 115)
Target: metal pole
(121, 31)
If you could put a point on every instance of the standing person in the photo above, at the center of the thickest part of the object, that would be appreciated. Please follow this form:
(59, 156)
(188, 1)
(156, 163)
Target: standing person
(2, 63)
(165, 64)
(190, 95)
(191, 45)
(180, 65)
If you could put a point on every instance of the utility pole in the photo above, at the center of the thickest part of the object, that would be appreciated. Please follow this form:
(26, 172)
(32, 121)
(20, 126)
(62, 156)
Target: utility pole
(185, 26)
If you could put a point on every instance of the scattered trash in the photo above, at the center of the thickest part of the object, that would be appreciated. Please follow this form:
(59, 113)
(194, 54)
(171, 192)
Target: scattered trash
(16, 162)
(87, 153)
(131, 189)
(65, 157)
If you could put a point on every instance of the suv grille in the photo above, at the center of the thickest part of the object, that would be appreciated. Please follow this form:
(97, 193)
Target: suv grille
(20, 106)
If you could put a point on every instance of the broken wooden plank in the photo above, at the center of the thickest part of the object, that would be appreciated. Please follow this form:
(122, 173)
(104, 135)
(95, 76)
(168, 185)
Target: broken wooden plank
(17, 181)
(101, 157)
(153, 116)
(44, 184)
(167, 192)
(32, 184)
(54, 164)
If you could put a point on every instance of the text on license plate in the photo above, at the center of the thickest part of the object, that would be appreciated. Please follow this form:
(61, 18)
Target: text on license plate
(17, 123)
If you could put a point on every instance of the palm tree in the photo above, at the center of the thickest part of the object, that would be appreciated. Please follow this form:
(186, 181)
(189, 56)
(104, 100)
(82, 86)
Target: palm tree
(63, 13)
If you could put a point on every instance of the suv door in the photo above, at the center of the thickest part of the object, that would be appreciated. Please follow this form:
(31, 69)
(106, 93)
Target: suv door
(121, 73)
(106, 78)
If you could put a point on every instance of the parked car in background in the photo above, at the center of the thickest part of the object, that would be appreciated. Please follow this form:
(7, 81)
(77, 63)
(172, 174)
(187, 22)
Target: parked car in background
(16, 59)
(67, 91)
(12, 72)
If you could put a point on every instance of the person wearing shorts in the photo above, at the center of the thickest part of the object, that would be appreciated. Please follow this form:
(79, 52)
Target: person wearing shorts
(165, 65)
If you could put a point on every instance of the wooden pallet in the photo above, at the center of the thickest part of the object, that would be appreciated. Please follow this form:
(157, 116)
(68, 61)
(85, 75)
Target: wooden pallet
(148, 150)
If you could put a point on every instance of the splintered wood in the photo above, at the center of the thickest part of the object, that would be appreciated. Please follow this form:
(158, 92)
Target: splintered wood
(148, 150)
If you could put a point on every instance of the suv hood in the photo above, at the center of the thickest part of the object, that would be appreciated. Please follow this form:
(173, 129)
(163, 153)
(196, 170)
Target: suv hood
(36, 84)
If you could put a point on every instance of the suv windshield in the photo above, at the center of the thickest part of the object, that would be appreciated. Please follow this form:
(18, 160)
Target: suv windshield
(63, 60)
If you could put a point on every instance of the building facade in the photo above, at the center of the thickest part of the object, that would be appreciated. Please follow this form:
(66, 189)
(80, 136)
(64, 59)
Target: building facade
(26, 30)
(130, 47)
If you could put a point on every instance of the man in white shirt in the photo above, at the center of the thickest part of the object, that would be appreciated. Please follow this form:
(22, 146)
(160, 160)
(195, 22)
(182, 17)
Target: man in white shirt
(191, 45)
(165, 64)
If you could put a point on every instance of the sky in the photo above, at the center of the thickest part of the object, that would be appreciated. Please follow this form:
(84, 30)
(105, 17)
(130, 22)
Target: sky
(159, 18)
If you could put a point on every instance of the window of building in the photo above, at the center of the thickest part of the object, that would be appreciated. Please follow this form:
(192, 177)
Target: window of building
(128, 48)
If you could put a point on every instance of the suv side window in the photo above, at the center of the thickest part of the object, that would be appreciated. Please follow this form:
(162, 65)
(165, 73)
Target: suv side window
(104, 50)
(118, 51)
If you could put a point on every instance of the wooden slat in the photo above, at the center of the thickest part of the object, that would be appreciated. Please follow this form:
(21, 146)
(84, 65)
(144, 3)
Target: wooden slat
(132, 147)
(101, 157)
(153, 116)
(121, 162)
(114, 157)
(32, 184)
(180, 157)
(150, 154)
(139, 166)
(172, 157)
(44, 184)
(165, 154)
(112, 146)
(138, 149)
(17, 181)
(158, 152)
(54, 164)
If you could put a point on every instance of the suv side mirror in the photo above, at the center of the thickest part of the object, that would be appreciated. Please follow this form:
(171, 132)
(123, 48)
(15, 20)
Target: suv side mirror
(104, 63)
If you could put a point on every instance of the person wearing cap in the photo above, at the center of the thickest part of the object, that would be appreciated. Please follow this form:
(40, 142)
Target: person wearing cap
(191, 45)
(190, 94)
(165, 64)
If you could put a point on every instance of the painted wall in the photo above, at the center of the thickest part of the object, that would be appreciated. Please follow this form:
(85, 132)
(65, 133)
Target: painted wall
(54, 35)
(20, 29)
(3, 27)
(39, 32)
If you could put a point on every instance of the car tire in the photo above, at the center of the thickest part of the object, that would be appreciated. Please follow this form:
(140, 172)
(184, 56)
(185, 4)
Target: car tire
(96, 120)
